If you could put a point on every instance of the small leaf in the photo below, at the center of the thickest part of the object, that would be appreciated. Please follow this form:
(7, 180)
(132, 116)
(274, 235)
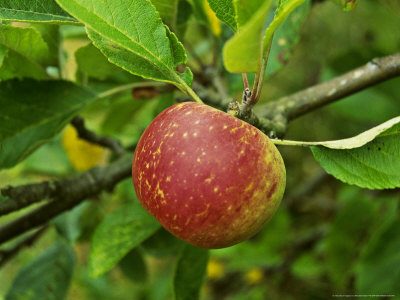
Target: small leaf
(33, 112)
(34, 11)
(120, 232)
(242, 52)
(46, 277)
(225, 11)
(133, 37)
(190, 273)
(286, 37)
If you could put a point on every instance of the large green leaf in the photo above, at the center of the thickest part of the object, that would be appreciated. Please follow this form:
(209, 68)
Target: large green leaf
(33, 112)
(370, 160)
(46, 277)
(132, 36)
(225, 11)
(119, 233)
(243, 52)
(34, 11)
(190, 273)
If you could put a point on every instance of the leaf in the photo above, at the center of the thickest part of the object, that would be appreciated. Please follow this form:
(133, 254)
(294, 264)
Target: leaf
(374, 164)
(168, 10)
(81, 154)
(245, 10)
(120, 232)
(213, 21)
(346, 235)
(132, 36)
(26, 41)
(190, 273)
(93, 63)
(134, 267)
(225, 11)
(16, 65)
(242, 52)
(162, 243)
(286, 37)
(34, 11)
(378, 271)
(33, 112)
(46, 277)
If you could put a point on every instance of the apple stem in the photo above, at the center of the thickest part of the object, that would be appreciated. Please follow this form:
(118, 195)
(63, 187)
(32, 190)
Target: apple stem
(245, 81)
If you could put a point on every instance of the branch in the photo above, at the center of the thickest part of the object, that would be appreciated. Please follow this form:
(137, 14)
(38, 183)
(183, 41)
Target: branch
(7, 254)
(105, 141)
(64, 195)
(290, 107)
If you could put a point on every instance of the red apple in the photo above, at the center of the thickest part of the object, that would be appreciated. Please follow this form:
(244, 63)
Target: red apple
(207, 177)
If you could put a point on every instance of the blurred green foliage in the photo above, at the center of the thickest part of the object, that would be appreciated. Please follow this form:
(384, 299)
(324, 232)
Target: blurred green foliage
(326, 239)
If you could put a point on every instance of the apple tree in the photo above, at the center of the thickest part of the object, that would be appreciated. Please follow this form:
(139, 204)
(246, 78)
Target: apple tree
(199, 149)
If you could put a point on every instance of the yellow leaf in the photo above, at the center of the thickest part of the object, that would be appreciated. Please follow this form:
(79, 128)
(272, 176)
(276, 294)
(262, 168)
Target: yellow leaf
(215, 23)
(82, 154)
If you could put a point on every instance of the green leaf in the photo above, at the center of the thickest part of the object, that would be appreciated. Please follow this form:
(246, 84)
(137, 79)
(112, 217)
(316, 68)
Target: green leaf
(34, 11)
(168, 10)
(26, 41)
(46, 277)
(225, 11)
(134, 267)
(286, 37)
(162, 243)
(346, 235)
(370, 160)
(245, 10)
(132, 36)
(34, 112)
(119, 233)
(190, 273)
(242, 52)
(378, 271)
(93, 63)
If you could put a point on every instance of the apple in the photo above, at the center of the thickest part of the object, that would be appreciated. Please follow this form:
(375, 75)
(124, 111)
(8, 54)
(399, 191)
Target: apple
(209, 178)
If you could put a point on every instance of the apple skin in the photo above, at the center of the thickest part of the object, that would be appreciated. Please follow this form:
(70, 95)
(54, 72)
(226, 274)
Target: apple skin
(209, 178)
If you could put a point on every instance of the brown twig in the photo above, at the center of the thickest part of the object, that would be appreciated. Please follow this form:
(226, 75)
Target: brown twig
(64, 195)
(105, 141)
